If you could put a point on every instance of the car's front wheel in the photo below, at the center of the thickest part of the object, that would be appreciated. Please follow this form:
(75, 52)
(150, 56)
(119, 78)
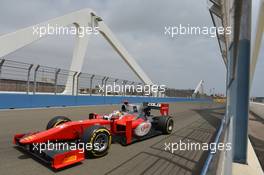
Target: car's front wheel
(58, 120)
(99, 139)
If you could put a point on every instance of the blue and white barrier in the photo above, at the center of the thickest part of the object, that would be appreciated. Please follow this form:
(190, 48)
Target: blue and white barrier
(8, 101)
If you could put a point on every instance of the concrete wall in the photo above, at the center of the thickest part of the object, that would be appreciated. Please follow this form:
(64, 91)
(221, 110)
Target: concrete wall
(8, 101)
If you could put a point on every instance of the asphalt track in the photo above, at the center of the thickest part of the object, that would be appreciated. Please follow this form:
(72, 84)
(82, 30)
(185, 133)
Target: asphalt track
(196, 122)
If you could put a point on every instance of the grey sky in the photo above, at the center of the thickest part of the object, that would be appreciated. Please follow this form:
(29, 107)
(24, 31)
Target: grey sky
(179, 62)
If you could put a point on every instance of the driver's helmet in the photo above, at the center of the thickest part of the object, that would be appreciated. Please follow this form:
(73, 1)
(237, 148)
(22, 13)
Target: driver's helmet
(126, 102)
(116, 114)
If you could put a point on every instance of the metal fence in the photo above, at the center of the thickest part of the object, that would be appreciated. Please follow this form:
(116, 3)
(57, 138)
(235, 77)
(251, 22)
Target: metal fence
(28, 78)
(20, 77)
(214, 161)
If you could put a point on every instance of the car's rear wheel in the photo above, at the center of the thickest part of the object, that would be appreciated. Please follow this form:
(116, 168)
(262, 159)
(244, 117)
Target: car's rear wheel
(99, 139)
(58, 120)
(164, 124)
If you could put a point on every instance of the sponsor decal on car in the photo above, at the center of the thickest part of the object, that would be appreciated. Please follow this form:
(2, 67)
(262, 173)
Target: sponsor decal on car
(143, 129)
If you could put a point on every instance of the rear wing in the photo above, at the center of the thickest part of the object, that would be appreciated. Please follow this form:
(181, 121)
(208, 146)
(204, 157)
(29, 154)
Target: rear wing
(163, 107)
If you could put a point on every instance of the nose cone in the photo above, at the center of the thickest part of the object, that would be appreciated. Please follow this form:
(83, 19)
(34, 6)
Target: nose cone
(28, 139)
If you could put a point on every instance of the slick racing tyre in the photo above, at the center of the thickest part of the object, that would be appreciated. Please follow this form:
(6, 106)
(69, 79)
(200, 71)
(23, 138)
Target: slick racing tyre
(165, 124)
(99, 138)
(58, 120)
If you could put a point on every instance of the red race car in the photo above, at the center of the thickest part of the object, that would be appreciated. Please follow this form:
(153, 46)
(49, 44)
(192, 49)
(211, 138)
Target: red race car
(66, 142)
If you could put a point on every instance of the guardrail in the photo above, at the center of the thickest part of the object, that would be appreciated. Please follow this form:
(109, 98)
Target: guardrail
(210, 165)
(14, 101)
(24, 85)
(225, 133)
(18, 76)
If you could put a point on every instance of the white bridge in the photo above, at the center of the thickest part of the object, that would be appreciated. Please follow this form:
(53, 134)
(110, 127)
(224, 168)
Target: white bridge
(81, 19)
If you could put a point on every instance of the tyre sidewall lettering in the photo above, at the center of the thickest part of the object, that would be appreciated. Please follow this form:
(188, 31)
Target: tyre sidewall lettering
(95, 134)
